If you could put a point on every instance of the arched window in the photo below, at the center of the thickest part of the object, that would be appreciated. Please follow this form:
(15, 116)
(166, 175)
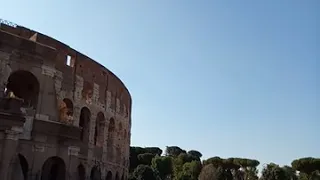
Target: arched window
(66, 110)
(81, 172)
(99, 130)
(25, 86)
(84, 124)
(95, 173)
(109, 175)
(120, 129)
(117, 176)
(53, 168)
(24, 166)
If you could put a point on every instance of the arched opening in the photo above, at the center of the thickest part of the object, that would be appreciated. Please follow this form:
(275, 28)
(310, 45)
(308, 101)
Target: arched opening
(84, 124)
(122, 178)
(117, 176)
(81, 172)
(111, 131)
(66, 110)
(24, 166)
(25, 86)
(53, 168)
(99, 129)
(109, 175)
(95, 173)
(87, 91)
(120, 129)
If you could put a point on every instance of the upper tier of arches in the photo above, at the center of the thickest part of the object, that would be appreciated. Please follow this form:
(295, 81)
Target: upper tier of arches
(66, 60)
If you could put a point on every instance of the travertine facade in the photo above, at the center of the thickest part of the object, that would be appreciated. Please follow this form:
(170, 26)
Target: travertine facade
(69, 117)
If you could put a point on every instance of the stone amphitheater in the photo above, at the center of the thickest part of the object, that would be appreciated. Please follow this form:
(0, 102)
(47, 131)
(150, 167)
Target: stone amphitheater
(63, 116)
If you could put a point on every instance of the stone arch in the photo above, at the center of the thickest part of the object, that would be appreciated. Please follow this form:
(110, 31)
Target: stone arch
(117, 176)
(87, 91)
(120, 129)
(66, 110)
(109, 175)
(95, 173)
(25, 86)
(53, 168)
(24, 166)
(84, 124)
(110, 143)
(99, 130)
(81, 172)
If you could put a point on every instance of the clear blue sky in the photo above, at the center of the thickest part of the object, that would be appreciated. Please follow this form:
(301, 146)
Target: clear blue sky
(228, 78)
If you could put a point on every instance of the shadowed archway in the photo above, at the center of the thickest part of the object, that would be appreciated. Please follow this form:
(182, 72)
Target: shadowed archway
(99, 130)
(109, 175)
(81, 172)
(84, 124)
(24, 85)
(53, 168)
(21, 170)
(95, 173)
(117, 176)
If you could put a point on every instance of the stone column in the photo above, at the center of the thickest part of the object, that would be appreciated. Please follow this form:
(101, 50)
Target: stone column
(5, 71)
(91, 144)
(73, 152)
(10, 144)
(47, 99)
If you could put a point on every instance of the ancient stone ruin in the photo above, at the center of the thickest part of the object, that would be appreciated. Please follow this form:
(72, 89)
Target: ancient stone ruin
(63, 116)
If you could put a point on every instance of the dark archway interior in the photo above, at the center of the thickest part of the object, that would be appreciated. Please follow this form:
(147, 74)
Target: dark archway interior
(117, 176)
(84, 124)
(122, 178)
(81, 172)
(69, 106)
(99, 129)
(24, 166)
(95, 174)
(54, 168)
(109, 175)
(24, 85)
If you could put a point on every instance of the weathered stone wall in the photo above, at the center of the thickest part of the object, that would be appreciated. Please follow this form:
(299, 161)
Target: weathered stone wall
(68, 82)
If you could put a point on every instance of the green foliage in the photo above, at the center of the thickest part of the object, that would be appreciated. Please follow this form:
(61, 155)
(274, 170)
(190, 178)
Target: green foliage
(290, 173)
(178, 164)
(144, 172)
(195, 153)
(210, 172)
(309, 168)
(164, 166)
(306, 165)
(174, 151)
(192, 169)
(134, 161)
(145, 158)
(273, 172)
(153, 150)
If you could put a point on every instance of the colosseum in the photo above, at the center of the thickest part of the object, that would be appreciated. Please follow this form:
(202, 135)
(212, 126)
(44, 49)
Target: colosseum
(63, 116)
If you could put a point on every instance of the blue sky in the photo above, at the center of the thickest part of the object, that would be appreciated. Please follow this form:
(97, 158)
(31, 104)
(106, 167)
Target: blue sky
(228, 78)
